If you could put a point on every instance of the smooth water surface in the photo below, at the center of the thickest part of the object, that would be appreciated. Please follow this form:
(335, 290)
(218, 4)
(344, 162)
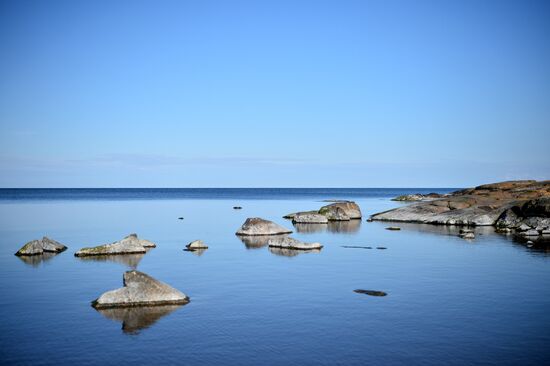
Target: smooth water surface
(449, 301)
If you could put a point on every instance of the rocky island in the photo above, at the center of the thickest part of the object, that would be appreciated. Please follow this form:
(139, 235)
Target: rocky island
(520, 205)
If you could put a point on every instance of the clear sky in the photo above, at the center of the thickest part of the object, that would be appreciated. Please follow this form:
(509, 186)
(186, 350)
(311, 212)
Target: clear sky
(273, 93)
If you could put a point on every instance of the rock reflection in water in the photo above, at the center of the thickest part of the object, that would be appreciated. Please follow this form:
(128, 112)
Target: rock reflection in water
(137, 318)
(37, 260)
(197, 252)
(351, 226)
(310, 228)
(259, 241)
(129, 260)
(291, 252)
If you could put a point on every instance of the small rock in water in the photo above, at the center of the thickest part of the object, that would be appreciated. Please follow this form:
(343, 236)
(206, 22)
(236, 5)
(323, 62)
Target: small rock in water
(370, 292)
(393, 228)
(355, 246)
(196, 245)
(467, 234)
(180, 218)
(237, 207)
(381, 248)
(370, 220)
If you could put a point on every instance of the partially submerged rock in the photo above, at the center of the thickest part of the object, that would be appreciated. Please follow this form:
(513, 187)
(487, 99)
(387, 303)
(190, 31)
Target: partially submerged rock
(481, 206)
(290, 216)
(370, 292)
(196, 245)
(237, 208)
(140, 290)
(258, 226)
(129, 245)
(37, 247)
(291, 243)
(393, 228)
(309, 218)
(466, 234)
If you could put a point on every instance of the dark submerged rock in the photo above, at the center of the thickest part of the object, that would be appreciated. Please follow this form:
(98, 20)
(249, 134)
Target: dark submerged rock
(370, 292)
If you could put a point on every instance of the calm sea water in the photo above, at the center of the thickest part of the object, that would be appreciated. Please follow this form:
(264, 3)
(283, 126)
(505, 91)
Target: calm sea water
(449, 301)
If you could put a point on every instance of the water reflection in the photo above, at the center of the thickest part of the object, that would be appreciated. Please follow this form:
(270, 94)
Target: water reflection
(256, 242)
(135, 319)
(197, 252)
(291, 252)
(351, 226)
(37, 260)
(129, 260)
(338, 227)
(310, 228)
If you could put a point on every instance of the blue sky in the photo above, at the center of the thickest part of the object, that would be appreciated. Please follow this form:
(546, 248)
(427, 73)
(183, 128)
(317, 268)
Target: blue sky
(273, 93)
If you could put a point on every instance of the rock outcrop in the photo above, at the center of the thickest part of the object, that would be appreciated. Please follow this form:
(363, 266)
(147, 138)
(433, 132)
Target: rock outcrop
(286, 242)
(129, 245)
(140, 290)
(482, 205)
(44, 245)
(418, 197)
(339, 211)
(531, 218)
(258, 226)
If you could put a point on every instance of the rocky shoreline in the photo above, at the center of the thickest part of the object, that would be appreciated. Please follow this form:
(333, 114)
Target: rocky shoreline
(520, 206)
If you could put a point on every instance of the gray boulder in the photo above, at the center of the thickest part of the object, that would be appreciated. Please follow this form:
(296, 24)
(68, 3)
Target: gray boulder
(258, 226)
(129, 245)
(531, 232)
(140, 290)
(341, 211)
(286, 242)
(196, 245)
(37, 247)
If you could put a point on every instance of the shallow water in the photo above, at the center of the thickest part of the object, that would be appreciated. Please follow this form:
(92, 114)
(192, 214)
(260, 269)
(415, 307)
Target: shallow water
(450, 301)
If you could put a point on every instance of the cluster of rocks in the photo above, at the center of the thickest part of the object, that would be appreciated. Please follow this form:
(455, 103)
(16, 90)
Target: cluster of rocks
(482, 206)
(418, 197)
(256, 226)
(338, 211)
(530, 219)
(41, 246)
(129, 245)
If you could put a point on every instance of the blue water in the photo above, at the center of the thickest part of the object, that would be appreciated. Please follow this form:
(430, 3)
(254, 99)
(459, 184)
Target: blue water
(449, 301)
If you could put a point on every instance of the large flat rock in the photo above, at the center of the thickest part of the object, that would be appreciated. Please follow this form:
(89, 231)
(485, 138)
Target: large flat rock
(286, 242)
(481, 206)
(258, 226)
(140, 289)
(129, 245)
